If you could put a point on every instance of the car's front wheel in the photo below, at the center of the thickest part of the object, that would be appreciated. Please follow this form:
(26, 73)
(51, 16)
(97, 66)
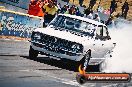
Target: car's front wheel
(32, 53)
(81, 79)
(85, 59)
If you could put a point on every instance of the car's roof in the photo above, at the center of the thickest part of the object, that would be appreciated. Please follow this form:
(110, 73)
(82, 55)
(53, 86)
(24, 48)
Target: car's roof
(83, 19)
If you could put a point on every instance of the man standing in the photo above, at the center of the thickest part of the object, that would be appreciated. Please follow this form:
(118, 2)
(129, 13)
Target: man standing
(72, 10)
(113, 6)
(90, 16)
(91, 4)
(50, 10)
(35, 8)
(125, 9)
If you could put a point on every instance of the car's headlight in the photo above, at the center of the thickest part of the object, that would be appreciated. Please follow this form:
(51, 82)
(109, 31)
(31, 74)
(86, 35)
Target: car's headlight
(37, 36)
(75, 47)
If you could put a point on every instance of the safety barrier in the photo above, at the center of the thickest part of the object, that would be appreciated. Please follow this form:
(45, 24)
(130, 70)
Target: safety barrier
(18, 24)
(17, 3)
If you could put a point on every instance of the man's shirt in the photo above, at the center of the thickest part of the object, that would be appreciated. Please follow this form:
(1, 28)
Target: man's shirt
(49, 10)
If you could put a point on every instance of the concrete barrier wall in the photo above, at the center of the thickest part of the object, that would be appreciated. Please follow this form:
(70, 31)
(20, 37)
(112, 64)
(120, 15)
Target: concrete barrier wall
(18, 3)
(18, 24)
(13, 8)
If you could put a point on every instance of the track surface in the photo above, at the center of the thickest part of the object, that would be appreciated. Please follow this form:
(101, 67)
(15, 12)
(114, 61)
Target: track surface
(17, 70)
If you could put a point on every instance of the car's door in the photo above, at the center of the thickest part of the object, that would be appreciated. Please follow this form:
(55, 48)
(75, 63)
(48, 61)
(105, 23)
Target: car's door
(102, 42)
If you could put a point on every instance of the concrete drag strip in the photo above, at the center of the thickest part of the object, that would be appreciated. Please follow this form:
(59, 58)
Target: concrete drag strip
(65, 81)
(61, 80)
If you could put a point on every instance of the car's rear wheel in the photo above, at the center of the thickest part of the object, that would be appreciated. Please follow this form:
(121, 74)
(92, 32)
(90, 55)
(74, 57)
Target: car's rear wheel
(32, 53)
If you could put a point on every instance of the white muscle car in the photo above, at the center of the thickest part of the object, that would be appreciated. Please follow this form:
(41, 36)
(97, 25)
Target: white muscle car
(74, 38)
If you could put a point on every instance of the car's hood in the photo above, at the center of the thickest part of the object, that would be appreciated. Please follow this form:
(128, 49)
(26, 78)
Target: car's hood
(64, 35)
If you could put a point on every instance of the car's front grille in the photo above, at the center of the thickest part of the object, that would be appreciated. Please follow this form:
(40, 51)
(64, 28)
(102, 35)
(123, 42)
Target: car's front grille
(57, 45)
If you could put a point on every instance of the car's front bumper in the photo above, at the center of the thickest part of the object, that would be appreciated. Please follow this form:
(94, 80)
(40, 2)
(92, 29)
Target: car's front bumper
(78, 57)
(57, 55)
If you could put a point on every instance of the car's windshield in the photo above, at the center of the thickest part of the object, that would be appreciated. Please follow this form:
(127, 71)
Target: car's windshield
(74, 25)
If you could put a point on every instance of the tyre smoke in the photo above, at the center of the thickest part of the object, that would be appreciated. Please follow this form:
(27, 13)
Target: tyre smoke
(121, 60)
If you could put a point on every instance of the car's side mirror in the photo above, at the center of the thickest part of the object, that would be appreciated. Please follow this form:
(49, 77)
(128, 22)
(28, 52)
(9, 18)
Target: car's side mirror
(108, 37)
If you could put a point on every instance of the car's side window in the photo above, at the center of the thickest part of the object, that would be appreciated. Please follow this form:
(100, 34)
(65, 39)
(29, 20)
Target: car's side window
(61, 24)
(99, 31)
(106, 33)
(56, 21)
(83, 26)
(87, 27)
(102, 33)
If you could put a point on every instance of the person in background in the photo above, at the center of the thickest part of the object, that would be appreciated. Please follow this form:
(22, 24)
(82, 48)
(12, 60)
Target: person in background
(72, 10)
(50, 10)
(35, 8)
(78, 13)
(87, 12)
(64, 9)
(107, 11)
(125, 9)
(67, 11)
(113, 6)
(41, 14)
(97, 18)
(81, 2)
(90, 16)
(59, 7)
(55, 2)
(100, 9)
(91, 4)
(109, 21)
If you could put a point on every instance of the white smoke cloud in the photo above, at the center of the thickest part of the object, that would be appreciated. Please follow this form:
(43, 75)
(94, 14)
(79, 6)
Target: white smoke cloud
(121, 60)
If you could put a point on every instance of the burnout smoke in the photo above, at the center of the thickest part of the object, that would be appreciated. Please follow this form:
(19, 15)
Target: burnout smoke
(121, 60)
